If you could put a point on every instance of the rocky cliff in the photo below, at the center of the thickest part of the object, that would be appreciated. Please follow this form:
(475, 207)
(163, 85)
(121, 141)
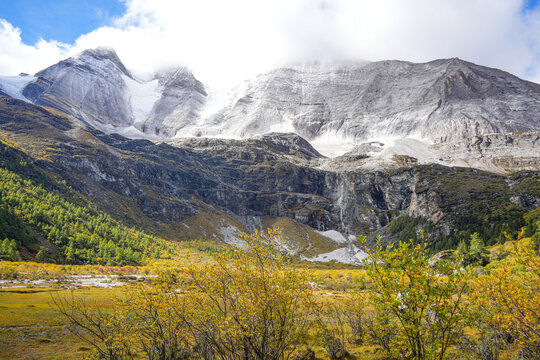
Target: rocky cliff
(214, 187)
(87, 85)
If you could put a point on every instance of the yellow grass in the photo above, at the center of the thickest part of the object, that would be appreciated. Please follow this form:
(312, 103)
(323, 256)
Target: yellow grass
(31, 328)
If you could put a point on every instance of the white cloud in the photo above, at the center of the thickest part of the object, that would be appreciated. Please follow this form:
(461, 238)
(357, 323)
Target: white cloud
(16, 57)
(227, 41)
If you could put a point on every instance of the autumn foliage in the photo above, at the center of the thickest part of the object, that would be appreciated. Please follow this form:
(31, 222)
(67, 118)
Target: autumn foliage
(253, 303)
(509, 296)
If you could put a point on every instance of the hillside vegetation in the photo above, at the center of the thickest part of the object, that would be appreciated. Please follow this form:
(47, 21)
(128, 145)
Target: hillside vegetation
(45, 220)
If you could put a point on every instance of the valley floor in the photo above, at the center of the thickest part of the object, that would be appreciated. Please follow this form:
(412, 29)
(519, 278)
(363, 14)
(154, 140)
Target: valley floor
(32, 328)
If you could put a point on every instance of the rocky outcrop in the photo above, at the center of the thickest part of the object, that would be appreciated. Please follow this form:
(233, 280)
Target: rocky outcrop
(181, 101)
(513, 151)
(259, 149)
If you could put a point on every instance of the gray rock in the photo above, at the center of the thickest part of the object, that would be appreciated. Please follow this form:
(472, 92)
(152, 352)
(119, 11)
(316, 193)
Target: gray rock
(514, 151)
(182, 99)
(88, 86)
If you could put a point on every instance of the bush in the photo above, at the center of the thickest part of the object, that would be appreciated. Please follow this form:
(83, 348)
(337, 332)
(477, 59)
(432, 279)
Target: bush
(509, 296)
(249, 304)
(419, 308)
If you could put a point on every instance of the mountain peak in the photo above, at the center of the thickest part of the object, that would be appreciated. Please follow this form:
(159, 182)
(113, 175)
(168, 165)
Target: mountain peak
(104, 51)
(101, 53)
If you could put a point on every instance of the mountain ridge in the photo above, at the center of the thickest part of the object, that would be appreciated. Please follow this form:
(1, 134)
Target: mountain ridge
(151, 154)
(335, 106)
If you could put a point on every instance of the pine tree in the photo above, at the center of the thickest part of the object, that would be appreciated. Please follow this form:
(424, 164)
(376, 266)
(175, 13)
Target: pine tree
(462, 250)
(477, 251)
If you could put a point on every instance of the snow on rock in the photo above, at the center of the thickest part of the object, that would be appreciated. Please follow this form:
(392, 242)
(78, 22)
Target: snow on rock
(229, 236)
(219, 99)
(332, 144)
(130, 132)
(418, 112)
(337, 106)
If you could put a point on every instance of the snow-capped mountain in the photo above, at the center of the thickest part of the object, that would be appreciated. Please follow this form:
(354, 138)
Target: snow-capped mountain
(439, 101)
(408, 108)
(96, 87)
(404, 139)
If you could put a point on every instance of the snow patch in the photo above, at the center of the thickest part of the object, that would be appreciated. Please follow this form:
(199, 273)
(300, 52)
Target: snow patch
(14, 85)
(347, 255)
(411, 147)
(229, 236)
(285, 126)
(71, 281)
(219, 100)
(332, 144)
(131, 132)
(142, 97)
(334, 235)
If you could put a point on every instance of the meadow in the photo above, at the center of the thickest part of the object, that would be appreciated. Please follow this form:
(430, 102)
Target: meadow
(345, 312)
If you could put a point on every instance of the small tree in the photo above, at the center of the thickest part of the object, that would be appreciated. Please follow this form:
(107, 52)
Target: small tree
(477, 251)
(333, 333)
(475, 254)
(355, 316)
(462, 250)
(8, 250)
(160, 333)
(109, 331)
(250, 304)
(42, 254)
(424, 303)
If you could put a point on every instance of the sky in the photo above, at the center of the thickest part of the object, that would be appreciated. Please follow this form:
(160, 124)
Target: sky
(227, 41)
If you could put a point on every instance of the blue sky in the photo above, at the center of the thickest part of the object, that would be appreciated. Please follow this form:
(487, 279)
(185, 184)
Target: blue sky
(530, 4)
(61, 20)
(227, 41)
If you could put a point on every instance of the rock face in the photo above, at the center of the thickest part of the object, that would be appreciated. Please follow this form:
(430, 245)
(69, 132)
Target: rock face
(514, 151)
(442, 100)
(87, 85)
(181, 101)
